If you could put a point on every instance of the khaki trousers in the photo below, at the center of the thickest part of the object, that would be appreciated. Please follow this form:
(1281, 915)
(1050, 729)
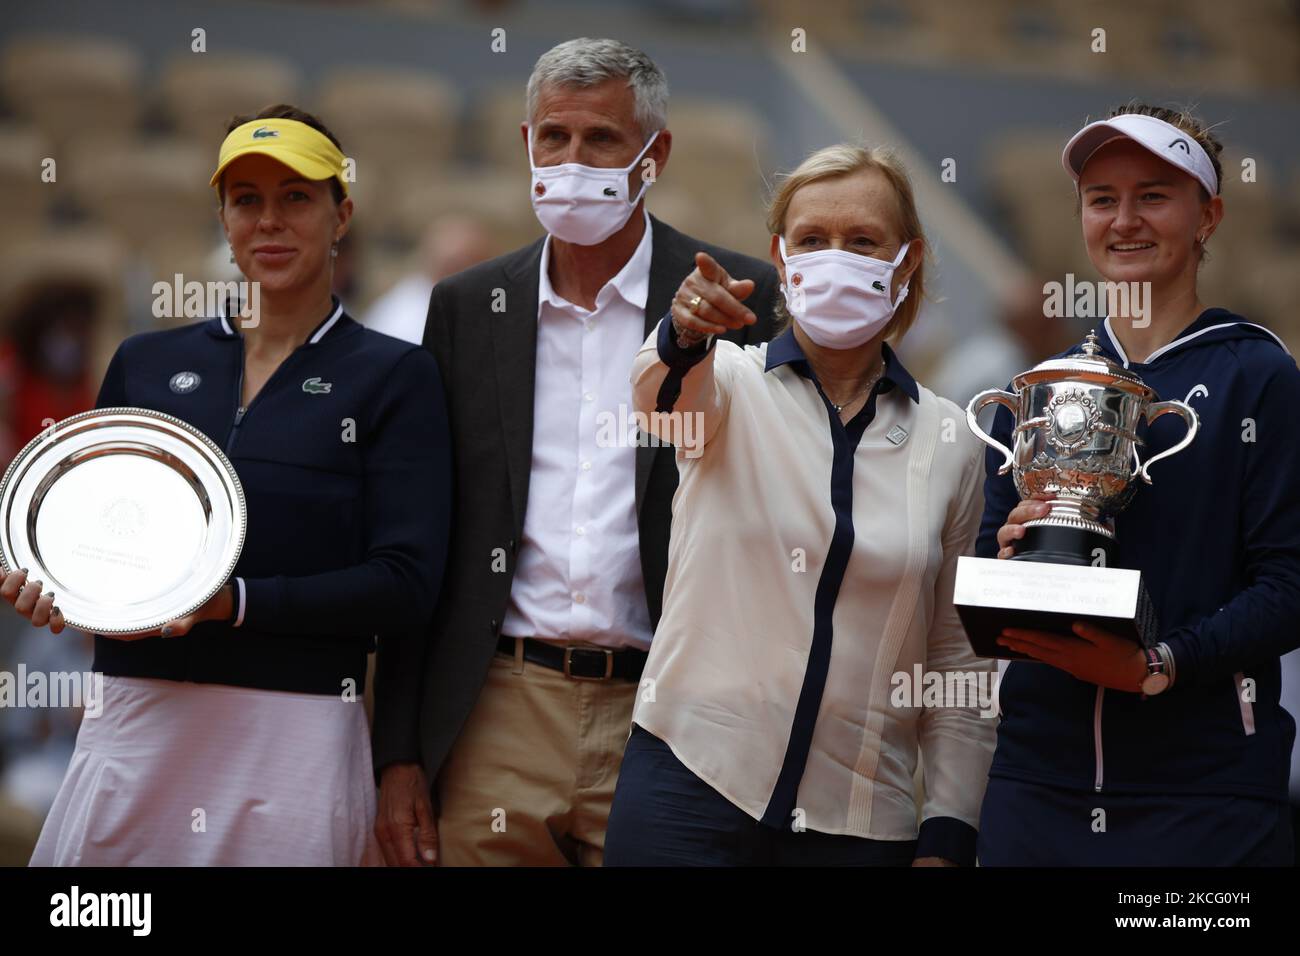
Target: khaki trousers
(530, 780)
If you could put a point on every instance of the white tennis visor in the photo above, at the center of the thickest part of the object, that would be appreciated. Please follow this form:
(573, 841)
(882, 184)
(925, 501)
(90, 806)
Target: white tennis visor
(1160, 138)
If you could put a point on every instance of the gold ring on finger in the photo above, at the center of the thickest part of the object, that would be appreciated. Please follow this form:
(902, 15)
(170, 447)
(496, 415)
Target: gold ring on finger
(694, 303)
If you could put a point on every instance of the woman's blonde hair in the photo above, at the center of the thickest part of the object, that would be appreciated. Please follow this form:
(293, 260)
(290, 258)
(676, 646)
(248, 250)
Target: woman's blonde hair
(844, 159)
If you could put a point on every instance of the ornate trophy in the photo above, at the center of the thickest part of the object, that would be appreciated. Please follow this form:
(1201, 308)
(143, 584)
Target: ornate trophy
(1075, 436)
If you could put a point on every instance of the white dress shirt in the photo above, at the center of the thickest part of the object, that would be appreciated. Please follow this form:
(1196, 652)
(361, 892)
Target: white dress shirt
(579, 573)
(792, 546)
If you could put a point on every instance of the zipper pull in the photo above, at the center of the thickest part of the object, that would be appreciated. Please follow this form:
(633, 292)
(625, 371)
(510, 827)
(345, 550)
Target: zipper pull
(239, 414)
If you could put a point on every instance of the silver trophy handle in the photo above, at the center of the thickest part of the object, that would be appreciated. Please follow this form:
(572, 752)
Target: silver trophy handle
(1007, 401)
(1182, 410)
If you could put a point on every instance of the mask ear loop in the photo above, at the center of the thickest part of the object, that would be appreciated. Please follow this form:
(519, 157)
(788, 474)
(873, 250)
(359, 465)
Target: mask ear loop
(532, 166)
(898, 261)
(780, 240)
(645, 183)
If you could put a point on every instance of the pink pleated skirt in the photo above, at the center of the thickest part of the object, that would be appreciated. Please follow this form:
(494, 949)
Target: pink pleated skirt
(182, 774)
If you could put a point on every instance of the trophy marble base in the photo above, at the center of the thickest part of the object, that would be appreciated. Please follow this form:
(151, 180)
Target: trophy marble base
(1037, 592)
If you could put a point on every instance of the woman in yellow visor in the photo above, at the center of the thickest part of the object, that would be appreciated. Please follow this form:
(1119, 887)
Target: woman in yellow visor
(237, 735)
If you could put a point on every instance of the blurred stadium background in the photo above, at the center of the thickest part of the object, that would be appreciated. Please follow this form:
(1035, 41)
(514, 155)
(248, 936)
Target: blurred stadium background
(132, 117)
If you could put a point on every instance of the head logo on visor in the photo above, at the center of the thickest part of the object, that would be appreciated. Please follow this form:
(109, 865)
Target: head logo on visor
(1156, 136)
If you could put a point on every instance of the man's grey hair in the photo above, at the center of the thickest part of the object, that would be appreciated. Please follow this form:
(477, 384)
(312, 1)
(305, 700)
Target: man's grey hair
(587, 62)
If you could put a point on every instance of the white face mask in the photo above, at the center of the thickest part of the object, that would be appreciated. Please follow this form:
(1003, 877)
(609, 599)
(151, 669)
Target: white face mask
(583, 204)
(841, 299)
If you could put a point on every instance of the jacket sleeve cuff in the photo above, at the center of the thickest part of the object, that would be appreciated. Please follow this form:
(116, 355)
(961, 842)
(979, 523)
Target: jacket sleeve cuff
(679, 361)
(671, 352)
(949, 838)
(385, 755)
(1184, 666)
(240, 603)
(263, 601)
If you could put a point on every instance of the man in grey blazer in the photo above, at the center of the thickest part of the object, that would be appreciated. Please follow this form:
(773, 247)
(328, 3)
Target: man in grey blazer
(498, 741)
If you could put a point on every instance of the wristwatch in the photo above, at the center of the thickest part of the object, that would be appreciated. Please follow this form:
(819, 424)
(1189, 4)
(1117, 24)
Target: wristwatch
(1157, 679)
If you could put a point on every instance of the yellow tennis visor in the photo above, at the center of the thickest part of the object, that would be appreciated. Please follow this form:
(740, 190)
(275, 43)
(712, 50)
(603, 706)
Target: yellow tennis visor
(306, 151)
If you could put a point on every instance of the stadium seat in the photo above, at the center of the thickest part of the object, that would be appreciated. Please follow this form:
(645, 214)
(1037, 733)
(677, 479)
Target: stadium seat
(72, 87)
(202, 92)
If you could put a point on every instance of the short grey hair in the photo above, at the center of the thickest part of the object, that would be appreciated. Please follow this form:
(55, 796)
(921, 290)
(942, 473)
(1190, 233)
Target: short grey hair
(587, 62)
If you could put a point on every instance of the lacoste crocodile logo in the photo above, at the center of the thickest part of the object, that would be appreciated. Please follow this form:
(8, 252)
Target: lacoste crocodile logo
(316, 386)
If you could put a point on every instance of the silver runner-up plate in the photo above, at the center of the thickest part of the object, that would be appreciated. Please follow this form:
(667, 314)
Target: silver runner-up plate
(131, 517)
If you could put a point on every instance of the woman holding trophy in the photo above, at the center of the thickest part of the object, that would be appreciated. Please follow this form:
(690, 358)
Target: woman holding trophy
(236, 734)
(821, 512)
(1113, 754)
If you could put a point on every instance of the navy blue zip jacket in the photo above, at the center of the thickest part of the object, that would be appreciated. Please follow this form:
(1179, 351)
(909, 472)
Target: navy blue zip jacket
(345, 460)
(1217, 539)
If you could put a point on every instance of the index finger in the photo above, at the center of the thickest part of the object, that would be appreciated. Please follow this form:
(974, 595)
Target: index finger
(1047, 640)
(13, 584)
(1030, 508)
(428, 831)
(717, 304)
(407, 851)
(710, 269)
(383, 835)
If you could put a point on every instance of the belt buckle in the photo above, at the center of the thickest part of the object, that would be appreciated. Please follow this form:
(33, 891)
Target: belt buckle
(609, 662)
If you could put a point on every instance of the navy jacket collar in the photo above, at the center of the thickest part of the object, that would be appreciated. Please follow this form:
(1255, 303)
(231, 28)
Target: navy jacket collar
(785, 350)
(1207, 319)
(1212, 326)
(222, 327)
